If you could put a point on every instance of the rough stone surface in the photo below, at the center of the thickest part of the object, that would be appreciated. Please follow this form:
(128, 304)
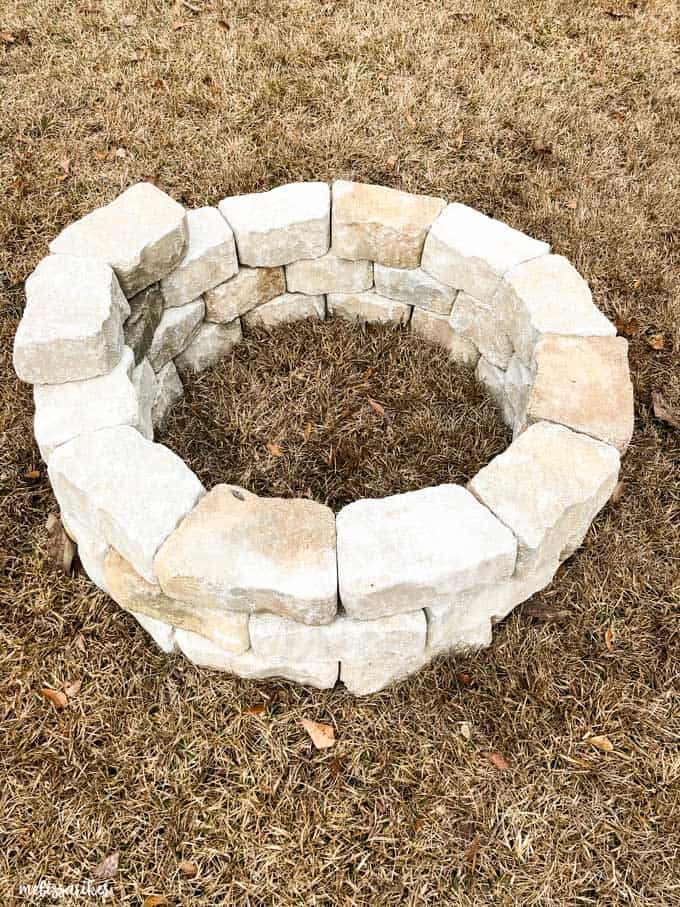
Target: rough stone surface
(280, 226)
(480, 326)
(177, 328)
(547, 295)
(368, 306)
(72, 325)
(469, 251)
(517, 385)
(210, 344)
(205, 654)
(365, 677)
(161, 633)
(493, 379)
(329, 274)
(285, 308)
(248, 289)
(209, 259)
(414, 287)
(169, 390)
(146, 310)
(437, 329)
(584, 383)
(547, 487)
(431, 544)
(380, 224)
(227, 629)
(142, 235)
(245, 553)
(124, 490)
(146, 387)
(398, 637)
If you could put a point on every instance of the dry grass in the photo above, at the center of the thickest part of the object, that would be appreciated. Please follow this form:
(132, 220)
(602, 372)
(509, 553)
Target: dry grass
(162, 761)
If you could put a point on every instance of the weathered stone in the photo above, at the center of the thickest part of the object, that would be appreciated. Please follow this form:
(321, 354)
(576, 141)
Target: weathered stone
(141, 234)
(517, 386)
(245, 553)
(168, 392)
(124, 490)
(493, 379)
(547, 487)
(368, 306)
(205, 654)
(380, 224)
(398, 637)
(146, 387)
(209, 259)
(329, 274)
(72, 325)
(210, 344)
(227, 629)
(414, 287)
(92, 552)
(471, 252)
(146, 309)
(547, 295)
(480, 325)
(282, 225)
(431, 544)
(161, 633)
(285, 308)
(584, 383)
(365, 677)
(248, 289)
(437, 329)
(177, 328)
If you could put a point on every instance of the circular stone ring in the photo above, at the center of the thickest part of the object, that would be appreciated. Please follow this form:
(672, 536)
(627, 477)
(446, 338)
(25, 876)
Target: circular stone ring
(141, 291)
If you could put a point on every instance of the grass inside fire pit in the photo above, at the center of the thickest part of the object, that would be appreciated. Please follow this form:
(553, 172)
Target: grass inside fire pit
(335, 412)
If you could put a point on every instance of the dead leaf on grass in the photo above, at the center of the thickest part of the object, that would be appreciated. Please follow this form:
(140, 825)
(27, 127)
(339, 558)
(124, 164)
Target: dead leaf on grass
(275, 450)
(155, 900)
(498, 760)
(56, 697)
(65, 167)
(471, 852)
(656, 341)
(609, 639)
(188, 868)
(60, 548)
(391, 162)
(571, 203)
(307, 431)
(464, 678)
(628, 328)
(259, 709)
(465, 729)
(378, 407)
(72, 689)
(108, 867)
(603, 743)
(663, 411)
(322, 735)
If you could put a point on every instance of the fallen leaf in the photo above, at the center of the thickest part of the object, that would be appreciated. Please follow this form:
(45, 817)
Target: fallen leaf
(617, 494)
(465, 729)
(155, 900)
(571, 203)
(662, 410)
(72, 689)
(540, 146)
(391, 162)
(379, 408)
(471, 852)
(224, 25)
(307, 431)
(629, 328)
(609, 639)
(498, 760)
(335, 768)
(322, 735)
(108, 867)
(259, 709)
(32, 474)
(61, 549)
(656, 341)
(65, 167)
(188, 868)
(7, 37)
(603, 743)
(464, 678)
(275, 450)
(56, 697)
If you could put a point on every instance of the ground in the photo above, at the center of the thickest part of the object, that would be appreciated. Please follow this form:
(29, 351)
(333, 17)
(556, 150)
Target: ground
(558, 117)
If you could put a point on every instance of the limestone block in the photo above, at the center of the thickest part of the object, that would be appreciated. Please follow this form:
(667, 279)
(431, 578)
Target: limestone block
(209, 259)
(368, 306)
(161, 633)
(584, 383)
(329, 274)
(380, 224)
(169, 391)
(249, 288)
(547, 487)
(72, 325)
(414, 287)
(227, 629)
(244, 553)
(365, 677)
(282, 225)
(388, 563)
(92, 552)
(399, 637)
(493, 379)
(146, 387)
(471, 252)
(211, 343)
(437, 329)
(286, 308)
(124, 490)
(205, 654)
(481, 326)
(177, 328)
(141, 234)
(517, 385)
(146, 309)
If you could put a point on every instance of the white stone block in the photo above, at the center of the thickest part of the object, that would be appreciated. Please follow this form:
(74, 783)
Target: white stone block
(493, 379)
(72, 325)
(146, 387)
(161, 633)
(406, 551)
(329, 274)
(481, 326)
(124, 490)
(168, 392)
(142, 235)
(209, 259)
(471, 252)
(414, 287)
(244, 553)
(437, 329)
(365, 677)
(248, 289)
(211, 343)
(146, 309)
(368, 306)
(284, 309)
(282, 225)
(177, 328)
(517, 386)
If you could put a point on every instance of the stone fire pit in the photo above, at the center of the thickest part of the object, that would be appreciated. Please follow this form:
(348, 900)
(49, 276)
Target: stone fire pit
(141, 291)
